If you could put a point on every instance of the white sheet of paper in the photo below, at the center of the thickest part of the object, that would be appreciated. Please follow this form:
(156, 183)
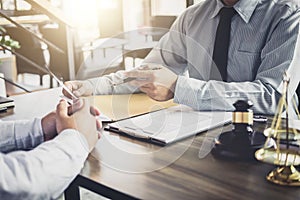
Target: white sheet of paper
(172, 124)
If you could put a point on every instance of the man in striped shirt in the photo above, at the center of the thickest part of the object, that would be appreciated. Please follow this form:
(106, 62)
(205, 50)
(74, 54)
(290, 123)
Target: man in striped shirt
(264, 43)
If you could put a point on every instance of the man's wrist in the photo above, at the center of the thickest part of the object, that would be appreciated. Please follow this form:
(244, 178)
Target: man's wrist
(48, 127)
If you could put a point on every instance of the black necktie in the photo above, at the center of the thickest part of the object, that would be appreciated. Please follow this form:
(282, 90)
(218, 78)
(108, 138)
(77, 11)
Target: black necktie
(220, 55)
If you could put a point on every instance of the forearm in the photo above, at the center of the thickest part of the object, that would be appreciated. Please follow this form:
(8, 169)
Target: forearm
(17, 135)
(217, 95)
(46, 171)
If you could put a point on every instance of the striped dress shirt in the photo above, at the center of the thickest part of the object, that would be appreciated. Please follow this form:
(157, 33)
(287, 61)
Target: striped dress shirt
(264, 43)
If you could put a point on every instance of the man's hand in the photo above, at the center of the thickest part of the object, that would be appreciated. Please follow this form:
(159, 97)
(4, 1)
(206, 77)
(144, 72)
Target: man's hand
(82, 120)
(79, 88)
(49, 121)
(158, 83)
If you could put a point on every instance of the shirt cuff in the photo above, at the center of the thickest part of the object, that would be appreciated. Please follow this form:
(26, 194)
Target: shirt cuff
(202, 95)
(186, 93)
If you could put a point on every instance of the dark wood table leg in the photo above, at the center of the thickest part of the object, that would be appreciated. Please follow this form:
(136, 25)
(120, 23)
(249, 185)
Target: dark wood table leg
(72, 192)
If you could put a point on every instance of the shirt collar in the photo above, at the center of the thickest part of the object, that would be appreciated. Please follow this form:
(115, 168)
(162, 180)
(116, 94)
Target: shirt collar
(244, 8)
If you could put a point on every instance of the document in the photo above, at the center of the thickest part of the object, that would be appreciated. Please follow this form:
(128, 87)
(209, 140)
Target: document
(170, 125)
(6, 102)
(123, 106)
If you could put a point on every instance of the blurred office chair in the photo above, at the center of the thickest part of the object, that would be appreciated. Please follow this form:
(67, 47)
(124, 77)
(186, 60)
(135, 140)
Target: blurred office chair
(161, 25)
(103, 56)
(56, 34)
(32, 49)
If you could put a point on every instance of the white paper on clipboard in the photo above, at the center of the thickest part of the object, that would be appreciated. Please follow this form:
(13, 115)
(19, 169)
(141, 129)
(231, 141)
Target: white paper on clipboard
(170, 125)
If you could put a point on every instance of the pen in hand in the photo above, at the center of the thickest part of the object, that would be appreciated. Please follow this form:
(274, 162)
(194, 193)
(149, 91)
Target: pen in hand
(126, 80)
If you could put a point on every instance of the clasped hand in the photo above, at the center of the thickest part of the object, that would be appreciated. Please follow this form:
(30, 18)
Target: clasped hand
(80, 116)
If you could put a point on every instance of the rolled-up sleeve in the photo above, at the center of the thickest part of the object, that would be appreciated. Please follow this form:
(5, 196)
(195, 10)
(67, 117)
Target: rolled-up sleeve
(281, 53)
(254, 74)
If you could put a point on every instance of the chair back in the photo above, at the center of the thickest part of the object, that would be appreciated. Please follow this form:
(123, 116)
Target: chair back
(31, 48)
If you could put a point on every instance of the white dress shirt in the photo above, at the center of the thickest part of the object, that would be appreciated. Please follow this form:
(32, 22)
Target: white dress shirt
(43, 171)
(264, 43)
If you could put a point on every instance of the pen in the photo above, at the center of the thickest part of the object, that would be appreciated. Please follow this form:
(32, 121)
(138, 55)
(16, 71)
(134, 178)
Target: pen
(126, 80)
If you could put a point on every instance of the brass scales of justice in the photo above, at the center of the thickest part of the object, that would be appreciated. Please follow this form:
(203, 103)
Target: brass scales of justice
(285, 153)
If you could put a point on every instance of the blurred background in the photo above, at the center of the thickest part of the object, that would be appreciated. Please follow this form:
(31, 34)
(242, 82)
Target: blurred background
(79, 39)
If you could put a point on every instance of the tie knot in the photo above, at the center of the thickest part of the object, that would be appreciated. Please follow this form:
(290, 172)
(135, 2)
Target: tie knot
(227, 12)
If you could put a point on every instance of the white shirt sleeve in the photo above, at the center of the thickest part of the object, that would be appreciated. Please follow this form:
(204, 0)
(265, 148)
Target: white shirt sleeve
(44, 172)
(20, 135)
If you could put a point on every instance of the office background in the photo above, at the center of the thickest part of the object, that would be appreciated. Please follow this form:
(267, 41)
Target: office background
(78, 39)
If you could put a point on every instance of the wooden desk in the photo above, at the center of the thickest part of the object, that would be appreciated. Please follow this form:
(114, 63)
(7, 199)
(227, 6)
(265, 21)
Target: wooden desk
(124, 168)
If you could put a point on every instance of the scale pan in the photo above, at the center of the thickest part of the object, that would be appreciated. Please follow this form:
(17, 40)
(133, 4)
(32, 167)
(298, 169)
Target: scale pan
(284, 157)
(294, 134)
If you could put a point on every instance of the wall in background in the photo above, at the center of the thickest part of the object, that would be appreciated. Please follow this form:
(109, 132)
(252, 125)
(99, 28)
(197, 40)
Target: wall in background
(167, 7)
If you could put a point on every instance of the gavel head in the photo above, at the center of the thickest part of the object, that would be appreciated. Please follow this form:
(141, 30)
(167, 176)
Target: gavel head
(242, 118)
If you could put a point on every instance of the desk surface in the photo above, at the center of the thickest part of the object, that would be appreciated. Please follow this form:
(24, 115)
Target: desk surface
(147, 171)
